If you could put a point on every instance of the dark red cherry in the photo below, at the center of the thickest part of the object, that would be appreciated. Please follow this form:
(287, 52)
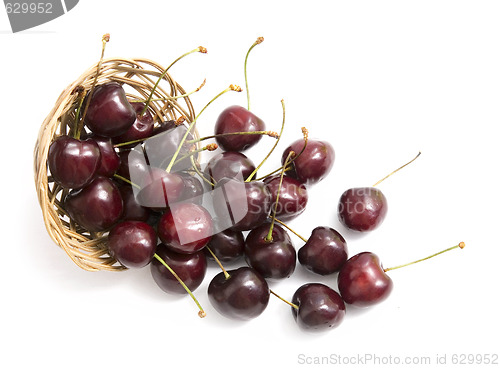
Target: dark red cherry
(191, 269)
(133, 164)
(185, 228)
(274, 259)
(109, 113)
(132, 243)
(237, 119)
(362, 209)
(73, 163)
(239, 205)
(97, 206)
(325, 252)
(228, 165)
(243, 296)
(141, 129)
(362, 281)
(228, 246)
(158, 188)
(162, 145)
(193, 190)
(132, 210)
(320, 308)
(292, 199)
(314, 164)
(110, 161)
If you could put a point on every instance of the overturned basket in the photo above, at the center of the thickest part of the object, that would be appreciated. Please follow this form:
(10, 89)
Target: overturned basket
(138, 77)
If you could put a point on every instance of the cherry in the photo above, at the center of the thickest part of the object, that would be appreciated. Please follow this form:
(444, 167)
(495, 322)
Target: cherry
(240, 294)
(191, 268)
(132, 210)
(293, 196)
(273, 259)
(141, 129)
(132, 160)
(193, 189)
(241, 205)
(313, 164)
(109, 113)
(363, 282)
(185, 228)
(158, 188)
(73, 163)
(237, 119)
(110, 161)
(132, 243)
(318, 307)
(325, 252)
(362, 209)
(97, 206)
(228, 165)
(227, 245)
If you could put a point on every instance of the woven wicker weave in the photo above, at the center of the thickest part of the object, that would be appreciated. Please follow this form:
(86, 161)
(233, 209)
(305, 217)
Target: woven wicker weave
(138, 76)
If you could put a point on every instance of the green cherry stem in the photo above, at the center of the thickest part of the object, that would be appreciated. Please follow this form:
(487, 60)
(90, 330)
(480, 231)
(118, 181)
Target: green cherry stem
(148, 101)
(105, 40)
(124, 179)
(261, 132)
(197, 171)
(168, 98)
(291, 230)
(232, 87)
(201, 313)
(209, 147)
(257, 42)
(284, 300)
(226, 275)
(395, 171)
(272, 149)
(269, 237)
(461, 245)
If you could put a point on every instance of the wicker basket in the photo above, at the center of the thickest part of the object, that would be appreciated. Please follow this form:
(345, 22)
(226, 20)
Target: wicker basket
(138, 76)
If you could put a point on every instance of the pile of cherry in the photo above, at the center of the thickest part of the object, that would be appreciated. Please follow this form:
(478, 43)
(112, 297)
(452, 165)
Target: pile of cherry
(141, 183)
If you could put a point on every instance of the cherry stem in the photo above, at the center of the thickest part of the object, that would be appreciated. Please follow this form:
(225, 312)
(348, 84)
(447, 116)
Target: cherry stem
(287, 167)
(232, 87)
(272, 149)
(105, 40)
(81, 97)
(269, 237)
(201, 313)
(226, 275)
(195, 168)
(148, 101)
(461, 245)
(168, 98)
(291, 230)
(395, 171)
(286, 301)
(257, 42)
(122, 178)
(208, 147)
(261, 132)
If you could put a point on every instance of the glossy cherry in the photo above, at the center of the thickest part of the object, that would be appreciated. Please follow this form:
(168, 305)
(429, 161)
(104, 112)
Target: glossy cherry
(133, 164)
(158, 188)
(73, 163)
(273, 259)
(97, 206)
(141, 128)
(325, 252)
(132, 243)
(132, 210)
(228, 165)
(241, 205)
(110, 161)
(362, 280)
(193, 190)
(362, 209)
(227, 245)
(320, 307)
(292, 199)
(191, 268)
(313, 164)
(237, 119)
(243, 295)
(185, 228)
(109, 113)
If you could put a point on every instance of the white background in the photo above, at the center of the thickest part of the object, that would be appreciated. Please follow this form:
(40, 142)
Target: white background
(380, 80)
